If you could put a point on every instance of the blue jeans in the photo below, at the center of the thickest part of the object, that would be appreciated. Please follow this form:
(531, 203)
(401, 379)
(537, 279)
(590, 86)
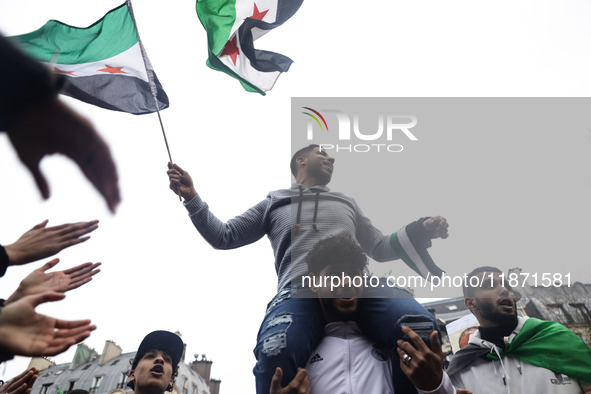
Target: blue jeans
(291, 330)
(293, 327)
(379, 318)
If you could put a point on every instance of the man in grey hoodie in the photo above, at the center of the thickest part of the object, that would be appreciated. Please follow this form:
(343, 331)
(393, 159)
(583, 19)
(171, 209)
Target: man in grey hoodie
(295, 220)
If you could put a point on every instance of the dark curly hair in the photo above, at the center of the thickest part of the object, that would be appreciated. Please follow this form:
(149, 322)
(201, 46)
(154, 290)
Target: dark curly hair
(134, 362)
(335, 250)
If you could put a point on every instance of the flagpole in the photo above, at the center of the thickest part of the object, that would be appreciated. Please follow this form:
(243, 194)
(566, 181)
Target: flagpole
(178, 189)
(163, 133)
(152, 88)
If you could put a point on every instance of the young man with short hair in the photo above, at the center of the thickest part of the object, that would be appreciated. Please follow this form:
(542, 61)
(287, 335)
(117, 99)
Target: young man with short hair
(346, 361)
(514, 354)
(156, 363)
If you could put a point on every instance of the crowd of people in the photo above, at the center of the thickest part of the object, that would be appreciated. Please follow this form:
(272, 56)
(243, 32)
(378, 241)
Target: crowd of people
(310, 336)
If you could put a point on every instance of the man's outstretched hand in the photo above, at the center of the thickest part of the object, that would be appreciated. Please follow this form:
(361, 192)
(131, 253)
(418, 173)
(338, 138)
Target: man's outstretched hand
(25, 332)
(437, 227)
(39, 281)
(22, 383)
(53, 127)
(42, 241)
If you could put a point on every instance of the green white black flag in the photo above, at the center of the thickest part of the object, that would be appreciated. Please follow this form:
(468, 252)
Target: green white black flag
(104, 64)
(232, 27)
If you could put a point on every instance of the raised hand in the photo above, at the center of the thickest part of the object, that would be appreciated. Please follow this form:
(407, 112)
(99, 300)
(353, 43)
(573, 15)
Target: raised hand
(437, 227)
(181, 182)
(53, 127)
(25, 332)
(423, 366)
(22, 383)
(39, 281)
(42, 241)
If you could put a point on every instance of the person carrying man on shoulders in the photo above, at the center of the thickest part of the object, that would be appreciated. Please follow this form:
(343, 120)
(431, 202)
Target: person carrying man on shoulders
(346, 361)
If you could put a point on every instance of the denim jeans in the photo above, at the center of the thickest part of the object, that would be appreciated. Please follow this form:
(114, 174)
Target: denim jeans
(379, 319)
(291, 330)
(293, 327)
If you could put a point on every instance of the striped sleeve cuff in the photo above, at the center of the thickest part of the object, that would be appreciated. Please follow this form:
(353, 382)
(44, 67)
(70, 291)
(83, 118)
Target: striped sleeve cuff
(194, 205)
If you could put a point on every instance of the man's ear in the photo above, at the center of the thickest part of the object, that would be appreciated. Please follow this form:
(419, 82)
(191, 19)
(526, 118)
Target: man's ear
(300, 160)
(131, 376)
(171, 384)
(470, 303)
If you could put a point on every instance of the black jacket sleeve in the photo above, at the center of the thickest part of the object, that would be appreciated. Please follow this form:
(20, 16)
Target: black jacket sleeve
(3, 261)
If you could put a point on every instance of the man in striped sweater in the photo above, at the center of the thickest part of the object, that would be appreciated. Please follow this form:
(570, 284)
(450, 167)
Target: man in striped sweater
(294, 220)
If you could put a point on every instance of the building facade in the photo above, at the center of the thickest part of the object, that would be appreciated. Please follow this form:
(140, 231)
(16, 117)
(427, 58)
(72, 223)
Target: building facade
(107, 373)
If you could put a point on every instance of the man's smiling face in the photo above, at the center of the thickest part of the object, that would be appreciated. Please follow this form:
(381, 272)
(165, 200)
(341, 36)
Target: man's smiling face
(153, 373)
(340, 303)
(318, 165)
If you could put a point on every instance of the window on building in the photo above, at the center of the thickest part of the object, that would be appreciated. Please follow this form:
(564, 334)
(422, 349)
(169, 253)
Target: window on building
(96, 382)
(45, 388)
(71, 386)
(186, 387)
(115, 362)
(122, 380)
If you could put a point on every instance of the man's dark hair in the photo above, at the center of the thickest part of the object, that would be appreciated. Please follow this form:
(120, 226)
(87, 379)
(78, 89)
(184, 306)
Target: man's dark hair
(134, 362)
(469, 290)
(336, 250)
(293, 165)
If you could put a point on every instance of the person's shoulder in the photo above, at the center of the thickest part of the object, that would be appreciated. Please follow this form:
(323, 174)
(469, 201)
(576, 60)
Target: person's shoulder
(280, 193)
(466, 357)
(340, 194)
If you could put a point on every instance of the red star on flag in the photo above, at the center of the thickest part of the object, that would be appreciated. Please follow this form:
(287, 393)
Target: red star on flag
(112, 70)
(258, 15)
(231, 49)
(57, 70)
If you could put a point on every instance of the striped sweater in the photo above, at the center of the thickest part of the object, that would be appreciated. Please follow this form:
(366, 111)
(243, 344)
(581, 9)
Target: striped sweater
(295, 219)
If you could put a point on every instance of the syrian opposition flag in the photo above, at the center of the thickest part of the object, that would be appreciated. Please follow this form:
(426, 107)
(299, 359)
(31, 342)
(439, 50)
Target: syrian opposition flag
(104, 64)
(232, 26)
(410, 244)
